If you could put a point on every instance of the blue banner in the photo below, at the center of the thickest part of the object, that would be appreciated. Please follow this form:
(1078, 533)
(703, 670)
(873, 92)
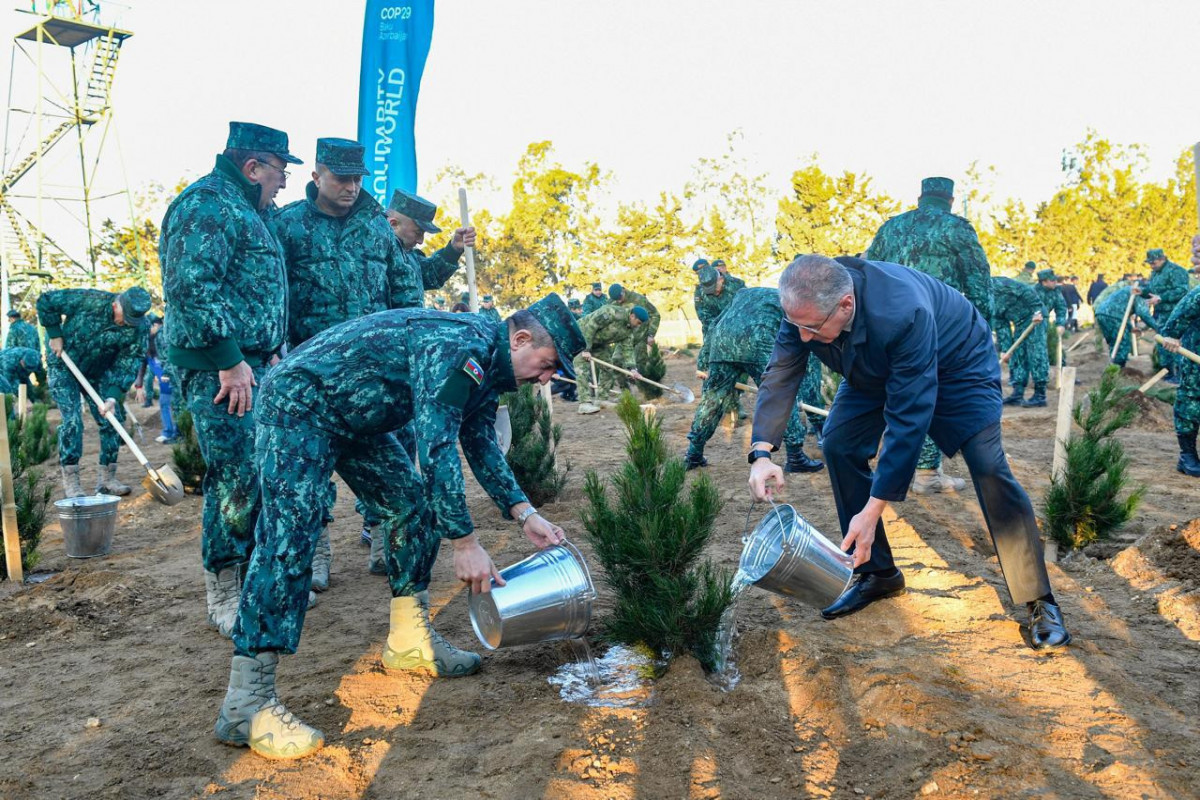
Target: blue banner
(396, 40)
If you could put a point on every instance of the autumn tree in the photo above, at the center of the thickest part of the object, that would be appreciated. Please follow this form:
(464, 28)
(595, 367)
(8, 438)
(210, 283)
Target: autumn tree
(829, 215)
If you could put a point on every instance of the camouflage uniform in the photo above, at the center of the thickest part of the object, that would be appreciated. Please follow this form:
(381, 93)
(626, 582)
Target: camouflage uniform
(1170, 283)
(650, 328)
(1014, 304)
(225, 284)
(22, 334)
(12, 373)
(333, 404)
(106, 353)
(709, 308)
(1052, 302)
(491, 314)
(1108, 318)
(1184, 324)
(593, 303)
(741, 343)
(610, 338)
(931, 239)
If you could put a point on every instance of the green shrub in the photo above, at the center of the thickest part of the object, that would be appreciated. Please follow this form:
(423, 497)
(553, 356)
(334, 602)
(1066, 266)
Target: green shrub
(534, 441)
(651, 364)
(189, 463)
(649, 538)
(30, 442)
(1084, 503)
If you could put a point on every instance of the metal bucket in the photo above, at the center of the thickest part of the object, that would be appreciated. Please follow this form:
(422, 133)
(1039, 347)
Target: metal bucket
(88, 524)
(788, 556)
(546, 597)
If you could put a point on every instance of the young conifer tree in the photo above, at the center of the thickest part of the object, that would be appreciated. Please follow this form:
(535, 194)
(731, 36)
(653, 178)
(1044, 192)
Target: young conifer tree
(189, 462)
(649, 536)
(30, 442)
(1085, 502)
(652, 366)
(534, 440)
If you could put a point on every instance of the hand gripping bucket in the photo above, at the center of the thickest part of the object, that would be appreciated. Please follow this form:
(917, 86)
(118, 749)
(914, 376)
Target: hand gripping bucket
(788, 556)
(546, 597)
(88, 524)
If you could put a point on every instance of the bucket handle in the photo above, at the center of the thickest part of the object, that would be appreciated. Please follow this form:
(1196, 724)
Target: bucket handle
(583, 563)
(775, 508)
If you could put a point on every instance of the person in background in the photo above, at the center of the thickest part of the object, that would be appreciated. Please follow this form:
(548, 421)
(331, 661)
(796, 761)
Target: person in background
(166, 391)
(1098, 286)
(1070, 293)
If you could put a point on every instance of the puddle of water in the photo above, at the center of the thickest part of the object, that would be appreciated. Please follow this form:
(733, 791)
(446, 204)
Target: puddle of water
(621, 678)
(39, 577)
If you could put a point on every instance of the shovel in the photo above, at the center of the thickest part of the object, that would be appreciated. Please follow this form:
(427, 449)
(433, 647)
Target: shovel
(745, 387)
(685, 394)
(1024, 335)
(565, 379)
(162, 483)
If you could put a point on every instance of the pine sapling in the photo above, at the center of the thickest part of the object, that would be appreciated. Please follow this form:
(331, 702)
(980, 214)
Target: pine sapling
(1085, 502)
(29, 441)
(651, 364)
(534, 441)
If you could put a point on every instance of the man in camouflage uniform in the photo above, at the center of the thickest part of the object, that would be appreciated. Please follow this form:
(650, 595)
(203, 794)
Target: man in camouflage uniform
(487, 309)
(1035, 363)
(1015, 305)
(612, 334)
(226, 286)
(105, 335)
(595, 300)
(333, 404)
(712, 297)
(439, 303)
(732, 281)
(1182, 328)
(1169, 283)
(740, 343)
(627, 298)
(411, 217)
(1111, 310)
(15, 365)
(22, 334)
(575, 307)
(1028, 274)
(934, 241)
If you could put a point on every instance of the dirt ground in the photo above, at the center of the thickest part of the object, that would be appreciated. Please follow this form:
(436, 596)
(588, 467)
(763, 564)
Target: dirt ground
(929, 694)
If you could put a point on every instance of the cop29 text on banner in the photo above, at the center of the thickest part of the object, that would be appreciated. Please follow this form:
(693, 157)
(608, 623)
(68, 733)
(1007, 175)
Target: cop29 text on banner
(396, 39)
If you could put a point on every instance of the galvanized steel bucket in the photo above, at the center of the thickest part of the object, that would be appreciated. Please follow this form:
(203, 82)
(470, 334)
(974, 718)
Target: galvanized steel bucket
(546, 597)
(88, 524)
(788, 556)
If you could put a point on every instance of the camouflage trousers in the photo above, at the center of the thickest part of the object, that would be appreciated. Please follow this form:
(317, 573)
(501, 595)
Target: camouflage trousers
(67, 394)
(1187, 397)
(231, 501)
(606, 378)
(810, 393)
(370, 516)
(1108, 328)
(1031, 359)
(296, 462)
(719, 392)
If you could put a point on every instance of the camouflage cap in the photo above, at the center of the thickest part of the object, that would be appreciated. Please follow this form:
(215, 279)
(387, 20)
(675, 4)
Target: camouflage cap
(341, 156)
(597, 285)
(1047, 275)
(708, 279)
(249, 136)
(615, 291)
(439, 301)
(640, 313)
(574, 303)
(937, 187)
(1155, 254)
(416, 208)
(699, 263)
(465, 297)
(135, 303)
(1030, 265)
(487, 298)
(718, 263)
(560, 323)
(12, 312)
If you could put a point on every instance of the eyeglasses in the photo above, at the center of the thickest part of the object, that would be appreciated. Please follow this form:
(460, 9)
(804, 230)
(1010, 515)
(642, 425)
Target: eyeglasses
(817, 329)
(280, 170)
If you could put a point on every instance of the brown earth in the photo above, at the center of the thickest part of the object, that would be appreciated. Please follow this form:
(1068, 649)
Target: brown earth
(930, 694)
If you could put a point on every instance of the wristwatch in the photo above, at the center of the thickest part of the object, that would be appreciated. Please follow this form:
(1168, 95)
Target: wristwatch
(524, 515)
(755, 455)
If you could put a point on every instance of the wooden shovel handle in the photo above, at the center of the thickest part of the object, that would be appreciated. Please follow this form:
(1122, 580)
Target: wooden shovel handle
(615, 368)
(745, 387)
(1183, 351)
(1124, 321)
(112, 418)
(1024, 335)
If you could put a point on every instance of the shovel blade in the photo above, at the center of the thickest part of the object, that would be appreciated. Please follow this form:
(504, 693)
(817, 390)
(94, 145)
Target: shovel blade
(684, 393)
(168, 489)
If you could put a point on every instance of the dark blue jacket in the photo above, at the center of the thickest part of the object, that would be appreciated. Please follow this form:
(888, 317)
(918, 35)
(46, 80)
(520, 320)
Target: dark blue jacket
(917, 350)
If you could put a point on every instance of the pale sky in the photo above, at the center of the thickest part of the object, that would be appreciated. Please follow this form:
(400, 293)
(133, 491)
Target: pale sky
(898, 90)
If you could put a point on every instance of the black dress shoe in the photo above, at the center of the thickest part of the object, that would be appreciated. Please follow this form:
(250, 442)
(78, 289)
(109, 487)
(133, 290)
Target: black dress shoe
(691, 462)
(1046, 629)
(866, 589)
(798, 461)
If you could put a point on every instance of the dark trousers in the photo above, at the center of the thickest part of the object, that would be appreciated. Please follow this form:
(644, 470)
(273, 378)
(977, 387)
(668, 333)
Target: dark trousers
(1006, 508)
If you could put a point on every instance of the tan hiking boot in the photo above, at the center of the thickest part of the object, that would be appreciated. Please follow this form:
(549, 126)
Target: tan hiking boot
(322, 560)
(931, 481)
(252, 714)
(108, 483)
(588, 408)
(413, 644)
(71, 485)
(224, 590)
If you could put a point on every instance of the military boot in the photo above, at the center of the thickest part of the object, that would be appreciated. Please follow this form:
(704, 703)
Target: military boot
(1037, 399)
(1188, 464)
(322, 559)
(376, 564)
(252, 714)
(71, 486)
(798, 461)
(1016, 398)
(108, 483)
(224, 590)
(413, 644)
(930, 481)
(693, 460)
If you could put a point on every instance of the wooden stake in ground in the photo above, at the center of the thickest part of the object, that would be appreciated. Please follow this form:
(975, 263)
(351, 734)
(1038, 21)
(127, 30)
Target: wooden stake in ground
(466, 223)
(12, 538)
(1024, 335)
(1133, 340)
(1158, 376)
(1061, 356)
(1124, 322)
(22, 398)
(1087, 335)
(1062, 432)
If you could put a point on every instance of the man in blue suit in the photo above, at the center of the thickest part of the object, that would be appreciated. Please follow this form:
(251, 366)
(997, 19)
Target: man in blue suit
(916, 358)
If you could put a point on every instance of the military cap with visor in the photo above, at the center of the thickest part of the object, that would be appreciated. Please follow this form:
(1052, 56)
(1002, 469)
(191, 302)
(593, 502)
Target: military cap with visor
(341, 156)
(416, 208)
(251, 136)
(553, 315)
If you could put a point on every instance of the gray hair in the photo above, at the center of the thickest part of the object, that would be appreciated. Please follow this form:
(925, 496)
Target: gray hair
(814, 280)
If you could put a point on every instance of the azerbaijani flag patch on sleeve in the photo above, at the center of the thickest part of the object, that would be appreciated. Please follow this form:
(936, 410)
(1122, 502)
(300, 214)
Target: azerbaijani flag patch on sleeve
(472, 368)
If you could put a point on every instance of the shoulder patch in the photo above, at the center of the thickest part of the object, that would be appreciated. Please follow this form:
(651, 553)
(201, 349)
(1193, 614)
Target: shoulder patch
(472, 368)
